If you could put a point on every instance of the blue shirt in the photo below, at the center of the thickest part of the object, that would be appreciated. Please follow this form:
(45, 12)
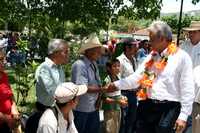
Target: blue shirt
(83, 72)
(48, 76)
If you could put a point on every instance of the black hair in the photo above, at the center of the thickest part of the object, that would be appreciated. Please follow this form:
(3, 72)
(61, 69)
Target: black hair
(128, 43)
(110, 62)
(61, 105)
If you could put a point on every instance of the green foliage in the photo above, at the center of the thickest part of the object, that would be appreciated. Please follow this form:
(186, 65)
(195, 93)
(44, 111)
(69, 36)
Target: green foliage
(195, 1)
(172, 21)
(24, 80)
(142, 9)
(23, 45)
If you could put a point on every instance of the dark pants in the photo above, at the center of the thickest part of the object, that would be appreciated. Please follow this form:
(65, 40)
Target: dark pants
(157, 117)
(128, 116)
(4, 128)
(87, 122)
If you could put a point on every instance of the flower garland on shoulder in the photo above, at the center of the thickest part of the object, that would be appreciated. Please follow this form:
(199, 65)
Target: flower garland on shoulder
(149, 75)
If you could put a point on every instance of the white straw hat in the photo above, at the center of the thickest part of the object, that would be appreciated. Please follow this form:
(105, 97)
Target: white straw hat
(194, 26)
(91, 42)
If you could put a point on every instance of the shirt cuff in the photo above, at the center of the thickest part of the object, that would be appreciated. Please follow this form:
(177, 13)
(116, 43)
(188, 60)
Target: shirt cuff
(183, 117)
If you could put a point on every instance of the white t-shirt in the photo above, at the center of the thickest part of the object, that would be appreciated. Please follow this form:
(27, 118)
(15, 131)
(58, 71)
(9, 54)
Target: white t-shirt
(49, 124)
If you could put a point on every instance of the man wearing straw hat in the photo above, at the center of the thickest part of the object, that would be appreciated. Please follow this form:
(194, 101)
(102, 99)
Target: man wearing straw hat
(85, 71)
(192, 44)
(192, 47)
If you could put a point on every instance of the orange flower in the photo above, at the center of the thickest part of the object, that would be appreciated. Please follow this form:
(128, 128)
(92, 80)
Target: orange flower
(149, 63)
(146, 83)
(142, 94)
(172, 48)
(160, 65)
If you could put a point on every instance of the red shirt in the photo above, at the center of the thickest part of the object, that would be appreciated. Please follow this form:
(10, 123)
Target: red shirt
(5, 95)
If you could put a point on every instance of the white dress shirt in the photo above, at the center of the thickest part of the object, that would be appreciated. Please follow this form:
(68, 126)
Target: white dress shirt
(193, 51)
(126, 66)
(197, 83)
(49, 124)
(174, 83)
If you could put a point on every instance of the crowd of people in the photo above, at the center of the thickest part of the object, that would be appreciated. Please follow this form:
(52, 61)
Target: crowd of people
(149, 87)
(14, 55)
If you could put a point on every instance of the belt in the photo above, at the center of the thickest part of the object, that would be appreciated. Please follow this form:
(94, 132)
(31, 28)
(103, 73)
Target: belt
(157, 101)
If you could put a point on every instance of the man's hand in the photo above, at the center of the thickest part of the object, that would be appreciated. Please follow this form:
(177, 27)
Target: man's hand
(180, 126)
(110, 87)
(10, 121)
(123, 101)
(14, 112)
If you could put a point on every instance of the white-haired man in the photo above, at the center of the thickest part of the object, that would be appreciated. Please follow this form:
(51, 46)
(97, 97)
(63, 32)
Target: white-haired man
(48, 76)
(166, 84)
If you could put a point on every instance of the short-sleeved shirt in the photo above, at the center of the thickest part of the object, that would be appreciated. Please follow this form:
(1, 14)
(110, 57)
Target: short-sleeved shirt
(5, 95)
(86, 72)
(48, 77)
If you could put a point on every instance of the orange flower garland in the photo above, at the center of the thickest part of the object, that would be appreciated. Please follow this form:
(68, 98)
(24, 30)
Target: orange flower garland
(149, 76)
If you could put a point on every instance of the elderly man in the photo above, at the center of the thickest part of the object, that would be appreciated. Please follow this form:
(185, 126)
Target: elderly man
(192, 44)
(166, 84)
(50, 73)
(59, 119)
(192, 47)
(85, 71)
(48, 76)
(128, 66)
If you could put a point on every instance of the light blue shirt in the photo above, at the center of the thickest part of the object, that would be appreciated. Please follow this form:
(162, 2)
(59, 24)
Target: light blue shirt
(48, 76)
(83, 73)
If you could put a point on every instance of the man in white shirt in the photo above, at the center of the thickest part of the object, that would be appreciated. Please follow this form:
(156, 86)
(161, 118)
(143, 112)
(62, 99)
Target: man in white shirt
(60, 119)
(192, 44)
(170, 96)
(196, 104)
(128, 65)
(192, 47)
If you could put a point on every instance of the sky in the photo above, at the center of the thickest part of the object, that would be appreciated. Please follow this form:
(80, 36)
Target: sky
(170, 6)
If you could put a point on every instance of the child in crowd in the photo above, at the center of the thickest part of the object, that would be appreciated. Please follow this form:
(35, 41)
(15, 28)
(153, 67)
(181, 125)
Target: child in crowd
(9, 115)
(112, 101)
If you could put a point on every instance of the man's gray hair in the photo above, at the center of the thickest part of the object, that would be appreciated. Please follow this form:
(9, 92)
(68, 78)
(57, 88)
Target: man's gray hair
(161, 29)
(55, 45)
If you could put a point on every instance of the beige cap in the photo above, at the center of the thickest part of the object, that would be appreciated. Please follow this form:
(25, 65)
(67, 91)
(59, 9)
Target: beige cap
(68, 90)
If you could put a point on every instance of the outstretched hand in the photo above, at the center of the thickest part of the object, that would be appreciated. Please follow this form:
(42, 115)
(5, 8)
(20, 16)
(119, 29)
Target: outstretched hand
(110, 87)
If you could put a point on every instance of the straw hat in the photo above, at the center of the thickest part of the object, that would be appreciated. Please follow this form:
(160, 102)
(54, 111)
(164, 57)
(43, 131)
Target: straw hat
(194, 26)
(91, 42)
(68, 90)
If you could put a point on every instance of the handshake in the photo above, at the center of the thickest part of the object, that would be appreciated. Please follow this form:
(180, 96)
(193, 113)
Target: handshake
(109, 88)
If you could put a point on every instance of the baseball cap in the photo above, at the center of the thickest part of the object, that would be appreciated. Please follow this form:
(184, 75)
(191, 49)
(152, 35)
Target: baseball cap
(68, 90)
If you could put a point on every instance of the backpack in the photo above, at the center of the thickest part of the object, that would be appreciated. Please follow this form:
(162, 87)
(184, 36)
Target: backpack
(33, 121)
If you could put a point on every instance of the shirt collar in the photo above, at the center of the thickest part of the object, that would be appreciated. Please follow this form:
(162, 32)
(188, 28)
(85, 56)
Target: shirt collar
(87, 61)
(50, 62)
(71, 117)
(125, 58)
